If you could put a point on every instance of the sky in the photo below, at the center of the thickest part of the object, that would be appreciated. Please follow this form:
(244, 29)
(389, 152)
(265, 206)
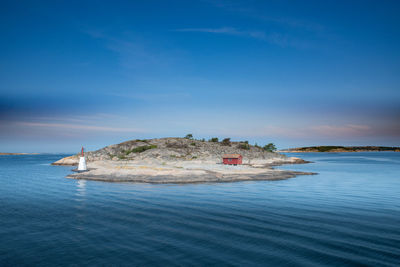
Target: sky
(295, 73)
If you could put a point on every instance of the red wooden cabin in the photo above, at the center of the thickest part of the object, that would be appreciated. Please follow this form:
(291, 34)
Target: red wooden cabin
(232, 159)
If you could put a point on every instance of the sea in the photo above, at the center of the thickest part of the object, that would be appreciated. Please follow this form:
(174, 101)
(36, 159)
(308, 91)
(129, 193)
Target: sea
(346, 215)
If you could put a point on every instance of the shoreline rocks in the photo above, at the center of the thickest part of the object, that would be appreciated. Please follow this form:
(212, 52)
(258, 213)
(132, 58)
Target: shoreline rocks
(67, 161)
(181, 173)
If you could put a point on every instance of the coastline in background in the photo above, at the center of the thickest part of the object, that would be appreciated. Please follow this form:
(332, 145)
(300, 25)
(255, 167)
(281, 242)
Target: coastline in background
(336, 149)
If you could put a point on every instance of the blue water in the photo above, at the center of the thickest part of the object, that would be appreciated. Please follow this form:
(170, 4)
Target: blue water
(348, 215)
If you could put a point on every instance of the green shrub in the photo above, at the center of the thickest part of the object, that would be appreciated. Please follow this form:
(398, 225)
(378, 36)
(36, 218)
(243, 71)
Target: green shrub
(226, 142)
(329, 148)
(121, 157)
(270, 147)
(214, 140)
(189, 136)
(244, 146)
(139, 149)
(142, 140)
(193, 144)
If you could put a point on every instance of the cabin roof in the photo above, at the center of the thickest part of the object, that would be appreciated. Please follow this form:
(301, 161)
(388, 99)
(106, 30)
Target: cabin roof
(231, 156)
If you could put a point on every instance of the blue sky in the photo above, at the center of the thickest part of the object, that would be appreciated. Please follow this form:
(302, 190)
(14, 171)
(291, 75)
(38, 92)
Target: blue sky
(295, 73)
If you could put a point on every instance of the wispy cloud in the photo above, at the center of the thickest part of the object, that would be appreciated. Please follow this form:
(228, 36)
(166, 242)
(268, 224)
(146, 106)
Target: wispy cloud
(78, 127)
(298, 132)
(150, 96)
(289, 30)
(282, 40)
(231, 31)
(248, 9)
(135, 52)
(225, 30)
(96, 117)
(342, 130)
(295, 23)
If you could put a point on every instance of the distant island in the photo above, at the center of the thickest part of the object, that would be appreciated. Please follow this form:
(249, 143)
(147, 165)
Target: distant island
(5, 154)
(340, 149)
(181, 160)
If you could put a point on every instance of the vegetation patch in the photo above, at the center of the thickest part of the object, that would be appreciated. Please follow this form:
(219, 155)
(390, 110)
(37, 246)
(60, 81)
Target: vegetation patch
(270, 147)
(329, 148)
(325, 148)
(214, 140)
(139, 149)
(226, 142)
(142, 140)
(189, 136)
(244, 146)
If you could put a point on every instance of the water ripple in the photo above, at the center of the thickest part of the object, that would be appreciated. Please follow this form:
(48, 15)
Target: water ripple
(347, 215)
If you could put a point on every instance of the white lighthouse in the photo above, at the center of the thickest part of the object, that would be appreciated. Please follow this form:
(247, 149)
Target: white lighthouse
(82, 162)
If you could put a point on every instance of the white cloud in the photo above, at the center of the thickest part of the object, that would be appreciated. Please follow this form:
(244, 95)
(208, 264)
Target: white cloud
(78, 127)
(341, 130)
(298, 132)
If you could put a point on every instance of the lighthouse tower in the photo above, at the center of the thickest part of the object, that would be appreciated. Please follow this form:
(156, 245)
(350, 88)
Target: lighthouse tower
(82, 162)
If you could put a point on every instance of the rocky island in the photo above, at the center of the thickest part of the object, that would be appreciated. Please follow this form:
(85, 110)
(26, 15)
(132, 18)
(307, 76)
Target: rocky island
(181, 160)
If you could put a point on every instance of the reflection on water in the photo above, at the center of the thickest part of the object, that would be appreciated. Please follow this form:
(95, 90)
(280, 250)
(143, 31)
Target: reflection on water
(81, 188)
(81, 206)
(349, 215)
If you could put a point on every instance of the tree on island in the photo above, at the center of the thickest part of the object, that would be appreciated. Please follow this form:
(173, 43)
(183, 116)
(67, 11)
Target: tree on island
(189, 136)
(270, 147)
(226, 142)
(214, 140)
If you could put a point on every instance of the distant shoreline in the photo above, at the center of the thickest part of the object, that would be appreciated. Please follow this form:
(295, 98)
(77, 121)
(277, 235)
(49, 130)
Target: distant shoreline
(12, 154)
(336, 149)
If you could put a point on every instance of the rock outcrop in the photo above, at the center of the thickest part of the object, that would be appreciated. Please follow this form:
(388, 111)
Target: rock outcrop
(178, 149)
(67, 161)
(180, 160)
